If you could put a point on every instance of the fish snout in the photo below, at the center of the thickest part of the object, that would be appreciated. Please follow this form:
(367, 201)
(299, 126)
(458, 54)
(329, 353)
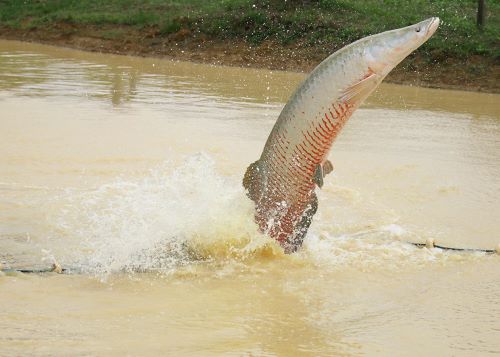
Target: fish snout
(433, 26)
(427, 27)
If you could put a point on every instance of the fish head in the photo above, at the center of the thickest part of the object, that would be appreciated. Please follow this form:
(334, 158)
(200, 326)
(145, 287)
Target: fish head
(389, 48)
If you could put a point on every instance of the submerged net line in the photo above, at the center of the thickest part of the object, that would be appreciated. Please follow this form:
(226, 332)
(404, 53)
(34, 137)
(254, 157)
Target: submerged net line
(54, 268)
(429, 244)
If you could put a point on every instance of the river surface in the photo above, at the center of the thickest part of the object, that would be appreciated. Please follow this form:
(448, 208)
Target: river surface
(128, 171)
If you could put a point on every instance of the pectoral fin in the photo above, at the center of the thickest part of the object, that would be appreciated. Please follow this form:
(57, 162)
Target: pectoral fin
(321, 171)
(360, 90)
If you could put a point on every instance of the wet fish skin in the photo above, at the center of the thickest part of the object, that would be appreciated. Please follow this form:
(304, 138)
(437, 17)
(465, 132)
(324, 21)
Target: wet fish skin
(294, 160)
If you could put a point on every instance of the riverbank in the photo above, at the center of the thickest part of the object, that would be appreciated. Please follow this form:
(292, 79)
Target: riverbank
(270, 35)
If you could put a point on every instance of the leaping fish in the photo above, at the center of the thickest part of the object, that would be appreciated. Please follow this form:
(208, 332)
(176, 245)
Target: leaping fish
(294, 160)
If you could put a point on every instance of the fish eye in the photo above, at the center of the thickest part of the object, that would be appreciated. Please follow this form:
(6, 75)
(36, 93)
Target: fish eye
(417, 29)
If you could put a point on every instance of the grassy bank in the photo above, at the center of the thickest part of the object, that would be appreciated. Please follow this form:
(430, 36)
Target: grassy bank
(293, 34)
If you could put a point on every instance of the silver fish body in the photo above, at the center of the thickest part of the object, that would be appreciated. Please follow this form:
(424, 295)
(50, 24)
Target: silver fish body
(294, 160)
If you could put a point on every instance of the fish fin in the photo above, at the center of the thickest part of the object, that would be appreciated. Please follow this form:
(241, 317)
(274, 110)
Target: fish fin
(360, 90)
(252, 179)
(318, 176)
(327, 167)
(321, 171)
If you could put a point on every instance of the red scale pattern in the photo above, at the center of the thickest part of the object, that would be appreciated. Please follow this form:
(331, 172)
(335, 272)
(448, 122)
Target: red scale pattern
(298, 177)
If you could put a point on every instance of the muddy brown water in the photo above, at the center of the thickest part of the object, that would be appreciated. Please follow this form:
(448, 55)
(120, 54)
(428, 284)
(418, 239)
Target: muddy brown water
(128, 171)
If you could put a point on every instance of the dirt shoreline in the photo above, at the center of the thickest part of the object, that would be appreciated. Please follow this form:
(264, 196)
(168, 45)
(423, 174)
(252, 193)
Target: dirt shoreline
(471, 74)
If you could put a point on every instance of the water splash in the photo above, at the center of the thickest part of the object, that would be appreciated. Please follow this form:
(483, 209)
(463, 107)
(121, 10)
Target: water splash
(179, 216)
(168, 219)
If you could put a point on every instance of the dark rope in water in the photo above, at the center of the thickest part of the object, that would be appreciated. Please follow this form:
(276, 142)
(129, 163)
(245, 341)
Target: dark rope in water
(56, 268)
(430, 244)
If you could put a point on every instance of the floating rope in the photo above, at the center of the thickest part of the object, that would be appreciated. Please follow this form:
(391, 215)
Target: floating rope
(429, 244)
(55, 268)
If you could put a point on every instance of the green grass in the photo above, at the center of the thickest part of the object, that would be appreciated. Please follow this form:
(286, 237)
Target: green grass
(318, 23)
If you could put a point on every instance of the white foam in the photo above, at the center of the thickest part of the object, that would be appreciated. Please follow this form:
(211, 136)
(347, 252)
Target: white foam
(150, 224)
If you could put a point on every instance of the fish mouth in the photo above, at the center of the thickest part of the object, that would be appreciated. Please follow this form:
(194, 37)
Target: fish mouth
(432, 25)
